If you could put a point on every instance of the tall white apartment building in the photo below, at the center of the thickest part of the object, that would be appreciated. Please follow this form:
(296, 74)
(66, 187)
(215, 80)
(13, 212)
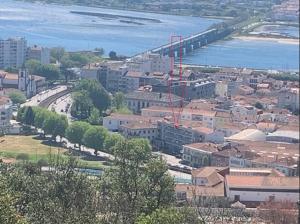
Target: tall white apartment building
(13, 52)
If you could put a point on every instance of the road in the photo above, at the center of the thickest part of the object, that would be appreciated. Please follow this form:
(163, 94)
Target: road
(35, 100)
(63, 106)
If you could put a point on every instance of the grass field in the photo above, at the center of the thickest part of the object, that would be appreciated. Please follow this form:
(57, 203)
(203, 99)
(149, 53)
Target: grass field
(13, 145)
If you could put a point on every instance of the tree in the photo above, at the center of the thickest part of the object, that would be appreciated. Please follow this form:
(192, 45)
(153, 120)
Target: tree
(112, 55)
(76, 131)
(94, 138)
(170, 216)
(61, 124)
(28, 116)
(49, 125)
(96, 92)
(111, 141)
(95, 117)
(57, 53)
(49, 71)
(82, 104)
(137, 183)
(62, 195)
(17, 97)
(258, 105)
(20, 114)
(8, 213)
(118, 100)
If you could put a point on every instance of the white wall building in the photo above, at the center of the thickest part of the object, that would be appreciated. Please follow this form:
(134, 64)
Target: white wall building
(149, 62)
(12, 52)
(261, 188)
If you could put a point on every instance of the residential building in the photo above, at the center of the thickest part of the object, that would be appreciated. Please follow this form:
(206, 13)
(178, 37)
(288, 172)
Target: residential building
(261, 188)
(188, 89)
(254, 79)
(149, 62)
(244, 113)
(289, 98)
(255, 172)
(198, 154)
(115, 120)
(5, 114)
(41, 54)
(141, 129)
(172, 136)
(12, 52)
(245, 90)
(206, 182)
(138, 100)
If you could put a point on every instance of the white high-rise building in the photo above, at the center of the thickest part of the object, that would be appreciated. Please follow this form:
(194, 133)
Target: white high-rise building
(13, 52)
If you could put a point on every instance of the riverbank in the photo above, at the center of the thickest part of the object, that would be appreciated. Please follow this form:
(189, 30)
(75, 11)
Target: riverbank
(259, 38)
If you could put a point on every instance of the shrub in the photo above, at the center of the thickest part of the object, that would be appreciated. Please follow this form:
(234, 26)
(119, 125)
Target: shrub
(22, 156)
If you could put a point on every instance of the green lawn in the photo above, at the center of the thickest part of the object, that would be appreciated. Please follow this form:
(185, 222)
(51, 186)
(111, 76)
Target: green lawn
(12, 145)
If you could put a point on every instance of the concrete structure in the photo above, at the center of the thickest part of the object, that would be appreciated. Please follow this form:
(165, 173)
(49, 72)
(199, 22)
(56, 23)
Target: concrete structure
(12, 52)
(261, 188)
(5, 114)
(138, 100)
(289, 98)
(41, 54)
(149, 62)
(284, 136)
(171, 137)
(191, 43)
(188, 89)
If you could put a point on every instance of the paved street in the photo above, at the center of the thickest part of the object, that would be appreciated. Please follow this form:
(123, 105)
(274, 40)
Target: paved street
(63, 106)
(35, 100)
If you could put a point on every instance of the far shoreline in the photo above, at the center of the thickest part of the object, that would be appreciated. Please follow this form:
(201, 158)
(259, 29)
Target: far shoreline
(259, 38)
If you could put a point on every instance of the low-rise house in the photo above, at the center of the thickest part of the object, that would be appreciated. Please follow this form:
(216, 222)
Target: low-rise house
(261, 188)
(244, 113)
(289, 98)
(115, 120)
(141, 129)
(206, 182)
(245, 90)
(138, 100)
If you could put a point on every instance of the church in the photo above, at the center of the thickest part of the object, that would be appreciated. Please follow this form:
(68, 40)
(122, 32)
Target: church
(30, 85)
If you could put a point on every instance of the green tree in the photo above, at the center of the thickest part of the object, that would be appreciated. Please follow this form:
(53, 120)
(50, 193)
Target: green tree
(258, 105)
(8, 213)
(94, 138)
(95, 117)
(29, 116)
(170, 216)
(20, 114)
(111, 140)
(62, 195)
(17, 97)
(96, 92)
(76, 131)
(57, 53)
(112, 55)
(118, 100)
(61, 124)
(82, 104)
(49, 125)
(32, 65)
(137, 183)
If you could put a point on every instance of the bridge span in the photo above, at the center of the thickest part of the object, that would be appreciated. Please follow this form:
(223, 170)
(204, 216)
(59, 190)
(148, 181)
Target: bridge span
(191, 43)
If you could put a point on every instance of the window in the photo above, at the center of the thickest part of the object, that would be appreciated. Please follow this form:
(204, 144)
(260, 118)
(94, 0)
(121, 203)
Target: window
(236, 197)
(271, 198)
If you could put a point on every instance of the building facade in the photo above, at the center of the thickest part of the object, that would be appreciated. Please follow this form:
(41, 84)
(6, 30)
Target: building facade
(41, 54)
(13, 52)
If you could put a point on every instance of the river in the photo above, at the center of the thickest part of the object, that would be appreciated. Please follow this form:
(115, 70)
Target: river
(54, 25)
